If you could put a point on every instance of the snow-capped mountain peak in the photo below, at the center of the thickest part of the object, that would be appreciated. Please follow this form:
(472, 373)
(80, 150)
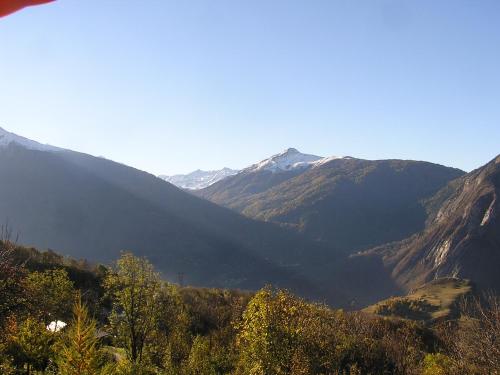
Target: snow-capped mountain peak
(288, 160)
(6, 138)
(198, 179)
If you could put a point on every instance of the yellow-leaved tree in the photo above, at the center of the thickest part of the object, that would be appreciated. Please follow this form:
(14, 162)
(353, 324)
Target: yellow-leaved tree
(274, 334)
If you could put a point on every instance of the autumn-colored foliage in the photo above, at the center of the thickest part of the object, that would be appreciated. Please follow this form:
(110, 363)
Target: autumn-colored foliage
(139, 324)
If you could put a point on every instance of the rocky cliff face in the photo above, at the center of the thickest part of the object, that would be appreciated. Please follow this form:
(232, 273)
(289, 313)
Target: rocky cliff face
(462, 236)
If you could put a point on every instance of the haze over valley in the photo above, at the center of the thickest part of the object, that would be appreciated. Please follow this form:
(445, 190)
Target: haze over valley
(324, 227)
(249, 187)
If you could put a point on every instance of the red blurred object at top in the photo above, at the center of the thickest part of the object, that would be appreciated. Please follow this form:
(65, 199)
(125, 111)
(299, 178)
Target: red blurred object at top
(10, 6)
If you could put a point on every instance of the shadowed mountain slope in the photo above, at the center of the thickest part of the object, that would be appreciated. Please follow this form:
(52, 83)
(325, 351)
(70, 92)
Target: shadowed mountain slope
(349, 204)
(94, 208)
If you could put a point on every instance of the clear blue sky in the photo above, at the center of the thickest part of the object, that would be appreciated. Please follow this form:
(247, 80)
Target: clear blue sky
(171, 86)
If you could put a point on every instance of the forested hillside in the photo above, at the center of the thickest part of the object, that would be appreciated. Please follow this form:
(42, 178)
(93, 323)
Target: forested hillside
(61, 316)
(350, 204)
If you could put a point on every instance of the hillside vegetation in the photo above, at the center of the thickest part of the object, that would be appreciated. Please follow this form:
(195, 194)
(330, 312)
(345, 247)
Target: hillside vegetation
(350, 204)
(438, 299)
(126, 320)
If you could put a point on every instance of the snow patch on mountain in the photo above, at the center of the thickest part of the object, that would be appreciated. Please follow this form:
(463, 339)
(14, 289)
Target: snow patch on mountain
(198, 179)
(289, 160)
(6, 138)
(328, 159)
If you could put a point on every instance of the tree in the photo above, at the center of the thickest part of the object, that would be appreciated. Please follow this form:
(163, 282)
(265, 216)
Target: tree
(282, 334)
(437, 364)
(273, 334)
(50, 295)
(475, 341)
(199, 358)
(78, 352)
(170, 339)
(134, 287)
(404, 343)
(11, 273)
(32, 345)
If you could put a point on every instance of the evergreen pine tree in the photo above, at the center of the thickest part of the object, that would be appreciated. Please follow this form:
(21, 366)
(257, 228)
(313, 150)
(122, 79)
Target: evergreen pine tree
(78, 351)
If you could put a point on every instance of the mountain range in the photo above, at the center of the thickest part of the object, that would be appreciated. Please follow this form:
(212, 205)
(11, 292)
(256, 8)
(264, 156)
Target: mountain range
(288, 160)
(347, 203)
(94, 208)
(198, 179)
(336, 229)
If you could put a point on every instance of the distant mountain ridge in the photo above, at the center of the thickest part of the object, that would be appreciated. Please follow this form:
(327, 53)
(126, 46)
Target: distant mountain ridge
(90, 207)
(350, 204)
(198, 179)
(7, 138)
(287, 161)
